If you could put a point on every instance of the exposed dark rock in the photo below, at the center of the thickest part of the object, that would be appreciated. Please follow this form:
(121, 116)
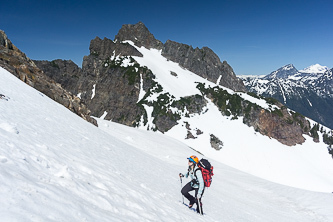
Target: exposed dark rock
(5, 42)
(17, 63)
(173, 73)
(190, 135)
(166, 121)
(278, 124)
(139, 34)
(115, 94)
(104, 49)
(117, 87)
(64, 72)
(187, 125)
(199, 132)
(203, 62)
(215, 142)
(193, 104)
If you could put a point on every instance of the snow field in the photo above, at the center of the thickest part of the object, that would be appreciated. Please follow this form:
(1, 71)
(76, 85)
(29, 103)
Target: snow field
(57, 167)
(51, 172)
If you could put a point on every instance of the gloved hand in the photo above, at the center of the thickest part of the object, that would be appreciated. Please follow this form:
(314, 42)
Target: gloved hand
(181, 175)
(199, 196)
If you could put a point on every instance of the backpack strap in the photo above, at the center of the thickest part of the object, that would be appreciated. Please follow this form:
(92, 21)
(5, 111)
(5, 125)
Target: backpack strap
(196, 180)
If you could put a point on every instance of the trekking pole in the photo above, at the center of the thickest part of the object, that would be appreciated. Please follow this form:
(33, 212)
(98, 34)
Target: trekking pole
(181, 186)
(200, 206)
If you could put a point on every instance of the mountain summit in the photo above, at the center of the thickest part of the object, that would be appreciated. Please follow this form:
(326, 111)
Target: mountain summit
(283, 72)
(139, 34)
(315, 69)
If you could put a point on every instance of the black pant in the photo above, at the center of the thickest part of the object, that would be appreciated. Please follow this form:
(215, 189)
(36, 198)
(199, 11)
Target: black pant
(185, 191)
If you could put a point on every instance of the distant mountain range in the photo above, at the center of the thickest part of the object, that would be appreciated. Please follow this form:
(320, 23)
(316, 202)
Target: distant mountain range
(308, 91)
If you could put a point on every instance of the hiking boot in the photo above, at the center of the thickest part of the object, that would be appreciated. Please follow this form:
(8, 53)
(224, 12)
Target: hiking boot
(190, 205)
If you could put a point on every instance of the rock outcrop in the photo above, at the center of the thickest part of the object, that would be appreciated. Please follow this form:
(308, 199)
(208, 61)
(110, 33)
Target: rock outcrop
(203, 62)
(64, 72)
(278, 123)
(17, 63)
(140, 35)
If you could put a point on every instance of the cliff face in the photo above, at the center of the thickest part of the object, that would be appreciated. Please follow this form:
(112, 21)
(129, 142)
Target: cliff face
(204, 62)
(139, 34)
(17, 63)
(64, 72)
(109, 81)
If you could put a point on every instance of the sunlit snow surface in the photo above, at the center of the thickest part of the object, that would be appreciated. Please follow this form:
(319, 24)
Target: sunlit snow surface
(243, 148)
(54, 166)
(185, 82)
(315, 69)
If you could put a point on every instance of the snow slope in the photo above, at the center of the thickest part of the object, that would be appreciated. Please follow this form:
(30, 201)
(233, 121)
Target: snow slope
(243, 148)
(57, 167)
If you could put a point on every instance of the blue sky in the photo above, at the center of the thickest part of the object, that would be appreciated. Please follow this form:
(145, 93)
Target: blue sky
(254, 37)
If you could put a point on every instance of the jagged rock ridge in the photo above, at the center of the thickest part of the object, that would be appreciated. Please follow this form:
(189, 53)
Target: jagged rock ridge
(204, 62)
(139, 34)
(17, 63)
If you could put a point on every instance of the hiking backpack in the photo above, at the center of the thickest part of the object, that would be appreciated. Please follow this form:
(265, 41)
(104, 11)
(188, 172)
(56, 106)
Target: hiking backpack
(206, 170)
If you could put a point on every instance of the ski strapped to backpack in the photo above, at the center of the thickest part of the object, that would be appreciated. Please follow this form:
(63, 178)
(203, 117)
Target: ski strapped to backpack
(206, 170)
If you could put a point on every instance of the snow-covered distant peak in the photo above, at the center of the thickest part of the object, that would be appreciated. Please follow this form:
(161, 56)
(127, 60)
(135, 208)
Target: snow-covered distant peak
(315, 69)
(283, 72)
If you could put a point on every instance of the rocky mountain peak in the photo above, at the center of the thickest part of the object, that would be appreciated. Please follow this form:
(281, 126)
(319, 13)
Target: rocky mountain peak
(203, 62)
(283, 72)
(139, 34)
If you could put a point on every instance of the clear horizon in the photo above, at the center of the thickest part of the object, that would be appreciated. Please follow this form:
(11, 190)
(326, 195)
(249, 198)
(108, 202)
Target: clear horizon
(254, 37)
